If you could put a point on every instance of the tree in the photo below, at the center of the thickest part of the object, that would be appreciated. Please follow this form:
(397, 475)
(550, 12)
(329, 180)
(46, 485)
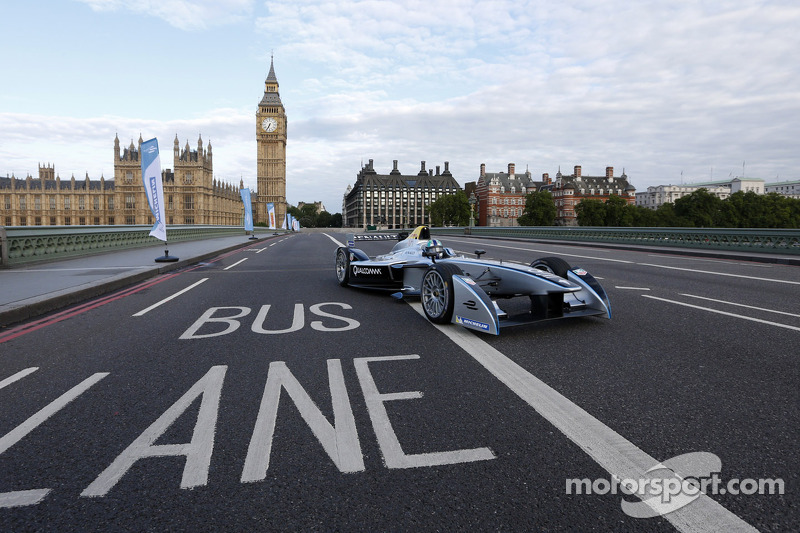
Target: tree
(700, 209)
(591, 212)
(450, 210)
(617, 212)
(540, 210)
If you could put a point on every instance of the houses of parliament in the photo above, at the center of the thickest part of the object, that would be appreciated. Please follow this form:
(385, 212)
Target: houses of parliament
(191, 193)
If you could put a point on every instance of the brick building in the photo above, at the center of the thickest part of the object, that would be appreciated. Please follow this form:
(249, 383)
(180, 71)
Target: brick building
(569, 191)
(501, 195)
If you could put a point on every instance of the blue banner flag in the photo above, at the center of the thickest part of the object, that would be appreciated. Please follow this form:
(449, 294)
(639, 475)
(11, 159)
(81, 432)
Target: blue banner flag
(248, 209)
(154, 187)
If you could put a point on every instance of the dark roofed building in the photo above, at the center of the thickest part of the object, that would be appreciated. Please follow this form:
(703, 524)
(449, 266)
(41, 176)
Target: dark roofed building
(501, 195)
(569, 191)
(395, 200)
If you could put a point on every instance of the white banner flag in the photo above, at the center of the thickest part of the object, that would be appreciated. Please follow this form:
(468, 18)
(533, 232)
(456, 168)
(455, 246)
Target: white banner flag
(154, 187)
(273, 224)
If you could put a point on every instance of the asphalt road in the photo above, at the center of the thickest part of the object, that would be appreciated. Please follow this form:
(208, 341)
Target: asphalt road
(253, 393)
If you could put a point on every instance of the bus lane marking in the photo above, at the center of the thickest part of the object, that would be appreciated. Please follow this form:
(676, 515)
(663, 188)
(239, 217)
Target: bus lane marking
(165, 300)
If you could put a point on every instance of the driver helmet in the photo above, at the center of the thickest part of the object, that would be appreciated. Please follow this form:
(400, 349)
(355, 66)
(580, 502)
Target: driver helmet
(434, 248)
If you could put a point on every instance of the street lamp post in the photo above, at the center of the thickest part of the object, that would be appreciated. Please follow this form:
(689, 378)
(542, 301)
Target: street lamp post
(472, 202)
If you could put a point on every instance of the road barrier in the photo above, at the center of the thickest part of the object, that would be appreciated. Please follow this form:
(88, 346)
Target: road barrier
(783, 241)
(28, 244)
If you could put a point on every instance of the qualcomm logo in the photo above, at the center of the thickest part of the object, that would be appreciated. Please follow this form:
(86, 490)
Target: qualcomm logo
(369, 271)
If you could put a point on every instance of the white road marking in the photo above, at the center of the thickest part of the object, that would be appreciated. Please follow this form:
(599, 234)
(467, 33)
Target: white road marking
(608, 448)
(768, 322)
(742, 305)
(393, 453)
(774, 280)
(19, 432)
(713, 260)
(197, 451)
(87, 269)
(632, 288)
(165, 300)
(236, 263)
(340, 441)
(337, 243)
(19, 375)
(20, 498)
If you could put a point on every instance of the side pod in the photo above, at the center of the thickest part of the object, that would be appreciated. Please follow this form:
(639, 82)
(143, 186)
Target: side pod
(472, 307)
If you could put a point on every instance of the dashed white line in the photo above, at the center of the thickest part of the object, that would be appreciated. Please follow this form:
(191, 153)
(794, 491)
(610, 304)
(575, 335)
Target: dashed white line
(236, 263)
(710, 310)
(742, 305)
(16, 377)
(165, 300)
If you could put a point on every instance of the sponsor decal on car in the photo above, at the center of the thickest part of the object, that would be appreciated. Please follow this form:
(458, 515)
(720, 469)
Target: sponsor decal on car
(367, 271)
(460, 320)
(579, 271)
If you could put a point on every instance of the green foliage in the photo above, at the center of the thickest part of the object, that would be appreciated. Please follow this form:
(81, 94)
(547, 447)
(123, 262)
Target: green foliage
(540, 210)
(450, 210)
(700, 209)
(309, 218)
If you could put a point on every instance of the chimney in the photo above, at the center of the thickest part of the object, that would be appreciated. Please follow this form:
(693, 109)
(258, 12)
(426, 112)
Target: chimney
(546, 178)
(422, 166)
(483, 169)
(577, 171)
(370, 164)
(610, 173)
(394, 165)
(511, 168)
(437, 170)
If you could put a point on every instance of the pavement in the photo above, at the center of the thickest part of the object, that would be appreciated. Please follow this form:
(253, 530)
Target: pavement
(29, 291)
(33, 290)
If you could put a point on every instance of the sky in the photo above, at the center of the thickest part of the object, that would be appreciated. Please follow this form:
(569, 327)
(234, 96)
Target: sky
(668, 91)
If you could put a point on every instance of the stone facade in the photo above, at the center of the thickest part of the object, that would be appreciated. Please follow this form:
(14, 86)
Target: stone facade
(271, 126)
(191, 194)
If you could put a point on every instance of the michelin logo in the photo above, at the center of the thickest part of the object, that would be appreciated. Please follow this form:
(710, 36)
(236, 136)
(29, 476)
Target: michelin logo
(460, 320)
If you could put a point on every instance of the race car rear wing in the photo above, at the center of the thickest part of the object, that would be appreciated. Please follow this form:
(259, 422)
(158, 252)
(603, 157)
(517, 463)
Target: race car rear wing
(420, 232)
(352, 238)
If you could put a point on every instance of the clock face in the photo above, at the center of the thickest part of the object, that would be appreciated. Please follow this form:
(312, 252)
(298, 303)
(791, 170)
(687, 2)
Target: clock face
(269, 124)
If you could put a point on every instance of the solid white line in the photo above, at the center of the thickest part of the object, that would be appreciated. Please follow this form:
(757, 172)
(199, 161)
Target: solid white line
(19, 432)
(236, 263)
(742, 305)
(165, 300)
(777, 324)
(633, 288)
(19, 375)
(609, 449)
(722, 274)
(337, 243)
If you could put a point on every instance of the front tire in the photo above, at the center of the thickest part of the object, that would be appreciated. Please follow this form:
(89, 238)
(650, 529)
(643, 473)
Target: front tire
(554, 265)
(343, 267)
(437, 292)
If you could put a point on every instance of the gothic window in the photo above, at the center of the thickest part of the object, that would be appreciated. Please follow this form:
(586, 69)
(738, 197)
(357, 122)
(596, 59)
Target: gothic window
(111, 205)
(81, 202)
(188, 203)
(52, 204)
(67, 204)
(23, 203)
(37, 203)
(7, 204)
(129, 177)
(188, 178)
(96, 202)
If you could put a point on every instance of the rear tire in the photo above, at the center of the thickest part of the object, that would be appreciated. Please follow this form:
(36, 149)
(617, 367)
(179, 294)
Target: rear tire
(343, 266)
(554, 265)
(437, 292)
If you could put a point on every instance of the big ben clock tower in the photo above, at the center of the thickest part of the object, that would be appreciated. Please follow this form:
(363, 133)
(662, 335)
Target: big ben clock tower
(271, 141)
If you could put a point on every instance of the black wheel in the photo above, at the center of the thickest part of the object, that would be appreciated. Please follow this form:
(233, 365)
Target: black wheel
(554, 265)
(437, 292)
(343, 266)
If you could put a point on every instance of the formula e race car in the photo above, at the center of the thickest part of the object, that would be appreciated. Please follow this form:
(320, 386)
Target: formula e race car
(463, 290)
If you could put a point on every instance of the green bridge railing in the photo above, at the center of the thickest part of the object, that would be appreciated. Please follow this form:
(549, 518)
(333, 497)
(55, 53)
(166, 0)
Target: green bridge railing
(784, 241)
(27, 244)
